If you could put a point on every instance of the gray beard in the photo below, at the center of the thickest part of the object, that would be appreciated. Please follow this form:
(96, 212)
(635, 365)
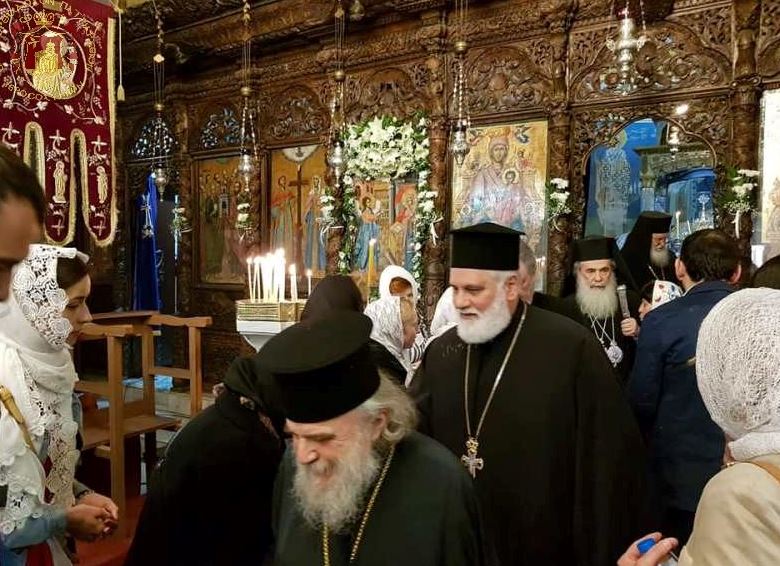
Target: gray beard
(489, 324)
(659, 258)
(337, 503)
(598, 303)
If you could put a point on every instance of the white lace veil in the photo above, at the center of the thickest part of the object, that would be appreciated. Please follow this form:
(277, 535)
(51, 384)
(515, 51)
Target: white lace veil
(388, 328)
(738, 370)
(36, 366)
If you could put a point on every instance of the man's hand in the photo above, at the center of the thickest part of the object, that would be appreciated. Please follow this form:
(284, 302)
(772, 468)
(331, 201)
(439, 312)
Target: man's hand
(86, 522)
(97, 500)
(652, 557)
(629, 327)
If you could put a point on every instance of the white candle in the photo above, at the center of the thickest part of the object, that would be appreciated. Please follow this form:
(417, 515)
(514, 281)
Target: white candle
(256, 279)
(280, 266)
(249, 280)
(293, 284)
(308, 283)
(266, 265)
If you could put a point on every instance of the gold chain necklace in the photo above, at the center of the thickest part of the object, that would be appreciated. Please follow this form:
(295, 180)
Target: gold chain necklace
(470, 459)
(363, 521)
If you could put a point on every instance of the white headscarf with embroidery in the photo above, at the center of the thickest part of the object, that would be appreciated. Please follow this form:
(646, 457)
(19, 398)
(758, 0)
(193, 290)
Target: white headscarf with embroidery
(37, 368)
(388, 327)
(738, 370)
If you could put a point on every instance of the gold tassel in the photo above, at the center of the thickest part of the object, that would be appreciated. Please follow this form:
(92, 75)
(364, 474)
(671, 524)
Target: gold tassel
(120, 90)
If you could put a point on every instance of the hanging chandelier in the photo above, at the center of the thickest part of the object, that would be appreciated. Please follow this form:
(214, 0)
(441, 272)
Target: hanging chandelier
(160, 172)
(336, 154)
(248, 158)
(626, 47)
(459, 145)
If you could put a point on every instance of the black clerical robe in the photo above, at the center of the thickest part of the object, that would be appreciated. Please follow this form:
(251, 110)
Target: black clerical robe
(644, 272)
(562, 454)
(571, 309)
(209, 502)
(424, 515)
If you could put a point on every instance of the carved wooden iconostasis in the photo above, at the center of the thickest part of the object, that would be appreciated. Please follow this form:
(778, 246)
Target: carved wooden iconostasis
(528, 61)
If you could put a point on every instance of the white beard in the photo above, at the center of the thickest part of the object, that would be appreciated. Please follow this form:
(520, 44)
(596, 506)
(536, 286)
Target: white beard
(659, 258)
(597, 302)
(488, 324)
(336, 503)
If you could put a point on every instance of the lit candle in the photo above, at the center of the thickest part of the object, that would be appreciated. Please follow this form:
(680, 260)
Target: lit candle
(293, 284)
(267, 266)
(308, 283)
(249, 280)
(677, 217)
(280, 273)
(371, 245)
(256, 279)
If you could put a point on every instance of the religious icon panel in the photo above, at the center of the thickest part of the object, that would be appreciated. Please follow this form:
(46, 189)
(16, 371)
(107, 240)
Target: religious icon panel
(768, 233)
(387, 215)
(502, 180)
(297, 183)
(218, 244)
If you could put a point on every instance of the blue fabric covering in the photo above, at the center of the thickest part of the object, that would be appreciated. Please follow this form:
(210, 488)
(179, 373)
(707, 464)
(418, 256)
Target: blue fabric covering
(161, 383)
(146, 282)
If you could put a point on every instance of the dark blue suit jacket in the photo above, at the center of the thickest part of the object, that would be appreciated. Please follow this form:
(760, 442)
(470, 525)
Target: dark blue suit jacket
(686, 446)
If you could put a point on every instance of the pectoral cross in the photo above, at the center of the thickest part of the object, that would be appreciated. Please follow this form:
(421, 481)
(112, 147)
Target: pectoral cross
(470, 460)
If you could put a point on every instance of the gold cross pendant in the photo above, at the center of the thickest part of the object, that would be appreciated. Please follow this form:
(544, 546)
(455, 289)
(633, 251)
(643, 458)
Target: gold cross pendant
(470, 460)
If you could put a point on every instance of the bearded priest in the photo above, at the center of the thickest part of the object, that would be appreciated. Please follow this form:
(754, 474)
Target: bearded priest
(597, 268)
(646, 249)
(358, 485)
(529, 403)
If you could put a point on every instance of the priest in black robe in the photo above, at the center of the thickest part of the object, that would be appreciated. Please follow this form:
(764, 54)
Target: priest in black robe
(538, 420)
(599, 277)
(646, 251)
(358, 485)
(209, 501)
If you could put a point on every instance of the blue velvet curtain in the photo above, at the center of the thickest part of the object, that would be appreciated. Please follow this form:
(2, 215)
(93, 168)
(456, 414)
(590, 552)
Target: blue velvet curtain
(146, 280)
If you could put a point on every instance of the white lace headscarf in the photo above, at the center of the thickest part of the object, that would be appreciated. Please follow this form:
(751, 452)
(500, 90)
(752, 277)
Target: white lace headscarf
(36, 366)
(738, 370)
(396, 272)
(388, 327)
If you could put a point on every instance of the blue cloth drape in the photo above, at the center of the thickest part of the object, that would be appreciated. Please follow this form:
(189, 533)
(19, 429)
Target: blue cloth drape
(146, 281)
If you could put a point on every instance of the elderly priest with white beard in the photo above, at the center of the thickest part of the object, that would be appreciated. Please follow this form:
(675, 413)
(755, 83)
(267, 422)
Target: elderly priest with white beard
(529, 403)
(358, 484)
(597, 268)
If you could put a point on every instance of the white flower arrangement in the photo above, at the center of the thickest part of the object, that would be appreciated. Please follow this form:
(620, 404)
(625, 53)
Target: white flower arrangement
(383, 148)
(740, 197)
(557, 200)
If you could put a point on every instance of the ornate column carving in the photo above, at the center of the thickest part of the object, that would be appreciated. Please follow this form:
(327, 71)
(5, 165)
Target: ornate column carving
(745, 95)
(186, 190)
(558, 15)
(120, 286)
(432, 37)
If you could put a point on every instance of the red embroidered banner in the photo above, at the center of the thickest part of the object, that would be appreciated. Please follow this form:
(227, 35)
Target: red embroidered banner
(57, 93)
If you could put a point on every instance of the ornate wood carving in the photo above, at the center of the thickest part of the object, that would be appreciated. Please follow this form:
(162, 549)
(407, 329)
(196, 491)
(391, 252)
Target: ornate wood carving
(388, 91)
(297, 114)
(222, 128)
(673, 59)
(769, 39)
(712, 26)
(503, 79)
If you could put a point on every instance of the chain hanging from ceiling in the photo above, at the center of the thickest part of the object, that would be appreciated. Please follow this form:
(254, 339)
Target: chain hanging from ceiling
(459, 145)
(160, 169)
(336, 155)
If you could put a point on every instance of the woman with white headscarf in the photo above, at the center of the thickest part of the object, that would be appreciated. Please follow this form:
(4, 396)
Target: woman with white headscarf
(738, 372)
(394, 330)
(40, 501)
(395, 281)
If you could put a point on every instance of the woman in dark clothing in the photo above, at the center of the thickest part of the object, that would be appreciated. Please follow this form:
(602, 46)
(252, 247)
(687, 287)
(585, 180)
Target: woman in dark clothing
(334, 292)
(209, 502)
